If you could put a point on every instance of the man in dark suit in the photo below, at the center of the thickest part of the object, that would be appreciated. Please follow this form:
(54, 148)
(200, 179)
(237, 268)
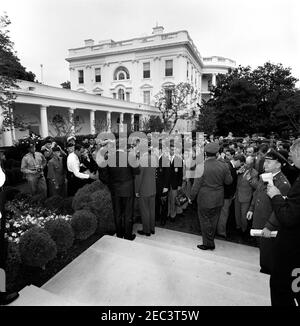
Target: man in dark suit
(209, 190)
(229, 192)
(161, 199)
(121, 184)
(263, 214)
(285, 282)
(174, 181)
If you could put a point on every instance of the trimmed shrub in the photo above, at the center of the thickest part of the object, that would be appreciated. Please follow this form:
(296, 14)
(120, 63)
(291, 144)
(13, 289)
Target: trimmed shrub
(101, 206)
(66, 208)
(84, 224)
(11, 193)
(83, 195)
(61, 232)
(37, 199)
(13, 262)
(54, 203)
(36, 247)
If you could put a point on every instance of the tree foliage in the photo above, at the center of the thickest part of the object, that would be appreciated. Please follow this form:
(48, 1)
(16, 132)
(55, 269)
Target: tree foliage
(10, 70)
(176, 102)
(252, 101)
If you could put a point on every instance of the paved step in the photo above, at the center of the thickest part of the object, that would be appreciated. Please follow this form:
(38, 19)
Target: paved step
(225, 249)
(35, 296)
(195, 252)
(119, 272)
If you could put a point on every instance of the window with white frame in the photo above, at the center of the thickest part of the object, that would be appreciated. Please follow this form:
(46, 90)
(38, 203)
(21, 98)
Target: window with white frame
(121, 94)
(127, 96)
(169, 68)
(80, 77)
(146, 97)
(121, 73)
(146, 70)
(98, 75)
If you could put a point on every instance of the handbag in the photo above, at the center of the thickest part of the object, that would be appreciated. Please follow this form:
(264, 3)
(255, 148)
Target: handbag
(181, 199)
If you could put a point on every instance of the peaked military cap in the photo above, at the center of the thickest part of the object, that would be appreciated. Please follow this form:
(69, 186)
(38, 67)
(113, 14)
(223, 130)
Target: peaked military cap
(274, 155)
(212, 148)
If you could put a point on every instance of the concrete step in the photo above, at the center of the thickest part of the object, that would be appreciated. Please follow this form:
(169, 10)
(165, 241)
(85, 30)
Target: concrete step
(119, 272)
(225, 249)
(34, 296)
(195, 252)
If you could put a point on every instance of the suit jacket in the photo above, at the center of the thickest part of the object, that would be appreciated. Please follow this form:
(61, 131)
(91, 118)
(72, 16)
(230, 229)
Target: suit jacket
(209, 189)
(229, 190)
(173, 172)
(287, 242)
(120, 179)
(263, 214)
(162, 176)
(245, 187)
(145, 182)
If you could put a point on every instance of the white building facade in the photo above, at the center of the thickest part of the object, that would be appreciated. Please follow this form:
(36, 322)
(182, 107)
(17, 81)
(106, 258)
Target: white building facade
(136, 69)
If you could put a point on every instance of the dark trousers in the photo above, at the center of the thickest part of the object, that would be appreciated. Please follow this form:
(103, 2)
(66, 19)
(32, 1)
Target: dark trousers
(281, 291)
(208, 218)
(123, 212)
(147, 208)
(266, 257)
(161, 207)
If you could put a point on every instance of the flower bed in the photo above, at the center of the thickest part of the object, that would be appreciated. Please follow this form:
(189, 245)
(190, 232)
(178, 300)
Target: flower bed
(45, 236)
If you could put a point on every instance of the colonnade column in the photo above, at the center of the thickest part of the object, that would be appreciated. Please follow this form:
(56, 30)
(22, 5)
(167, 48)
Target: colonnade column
(108, 120)
(44, 121)
(71, 117)
(92, 122)
(214, 80)
(140, 122)
(121, 121)
(132, 121)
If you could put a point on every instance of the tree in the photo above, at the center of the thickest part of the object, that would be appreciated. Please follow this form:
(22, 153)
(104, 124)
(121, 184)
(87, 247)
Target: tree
(246, 101)
(65, 125)
(66, 84)
(176, 102)
(153, 124)
(10, 70)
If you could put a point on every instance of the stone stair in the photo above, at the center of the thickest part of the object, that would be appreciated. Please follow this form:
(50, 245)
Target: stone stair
(165, 269)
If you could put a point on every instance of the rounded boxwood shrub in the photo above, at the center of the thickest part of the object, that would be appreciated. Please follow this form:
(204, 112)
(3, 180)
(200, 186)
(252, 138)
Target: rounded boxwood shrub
(66, 208)
(36, 247)
(54, 203)
(13, 262)
(61, 232)
(101, 206)
(84, 224)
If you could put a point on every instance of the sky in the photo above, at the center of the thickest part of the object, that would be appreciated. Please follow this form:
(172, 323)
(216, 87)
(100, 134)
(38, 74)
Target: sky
(251, 32)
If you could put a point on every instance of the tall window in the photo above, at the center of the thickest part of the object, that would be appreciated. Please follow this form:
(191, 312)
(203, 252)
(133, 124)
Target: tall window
(146, 70)
(121, 94)
(169, 68)
(147, 97)
(98, 75)
(168, 97)
(127, 96)
(80, 77)
(187, 70)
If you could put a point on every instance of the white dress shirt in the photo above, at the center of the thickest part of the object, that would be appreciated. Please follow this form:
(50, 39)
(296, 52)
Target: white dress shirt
(73, 166)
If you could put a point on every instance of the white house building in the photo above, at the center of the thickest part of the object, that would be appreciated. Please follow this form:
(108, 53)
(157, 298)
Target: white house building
(36, 104)
(136, 69)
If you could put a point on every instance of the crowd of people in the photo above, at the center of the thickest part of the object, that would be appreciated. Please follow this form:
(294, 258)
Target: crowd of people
(160, 185)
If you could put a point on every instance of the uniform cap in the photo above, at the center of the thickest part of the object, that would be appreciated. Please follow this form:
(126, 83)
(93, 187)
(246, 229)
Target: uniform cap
(212, 148)
(274, 155)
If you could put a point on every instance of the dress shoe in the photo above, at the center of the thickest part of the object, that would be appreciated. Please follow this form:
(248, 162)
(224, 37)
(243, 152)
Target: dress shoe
(203, 247)
(131, 238)
(152, 232)
(141, 232)
(7, 298)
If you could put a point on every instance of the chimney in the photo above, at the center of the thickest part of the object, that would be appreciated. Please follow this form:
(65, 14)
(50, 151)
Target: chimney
(89, 42)
(157, 30)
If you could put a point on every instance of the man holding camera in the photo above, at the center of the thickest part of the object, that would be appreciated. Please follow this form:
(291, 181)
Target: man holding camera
(33, 164)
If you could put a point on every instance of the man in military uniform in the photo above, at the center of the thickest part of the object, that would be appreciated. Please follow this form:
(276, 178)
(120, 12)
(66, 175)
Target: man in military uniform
(209, 189)
(261, 210)
(283, 281)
